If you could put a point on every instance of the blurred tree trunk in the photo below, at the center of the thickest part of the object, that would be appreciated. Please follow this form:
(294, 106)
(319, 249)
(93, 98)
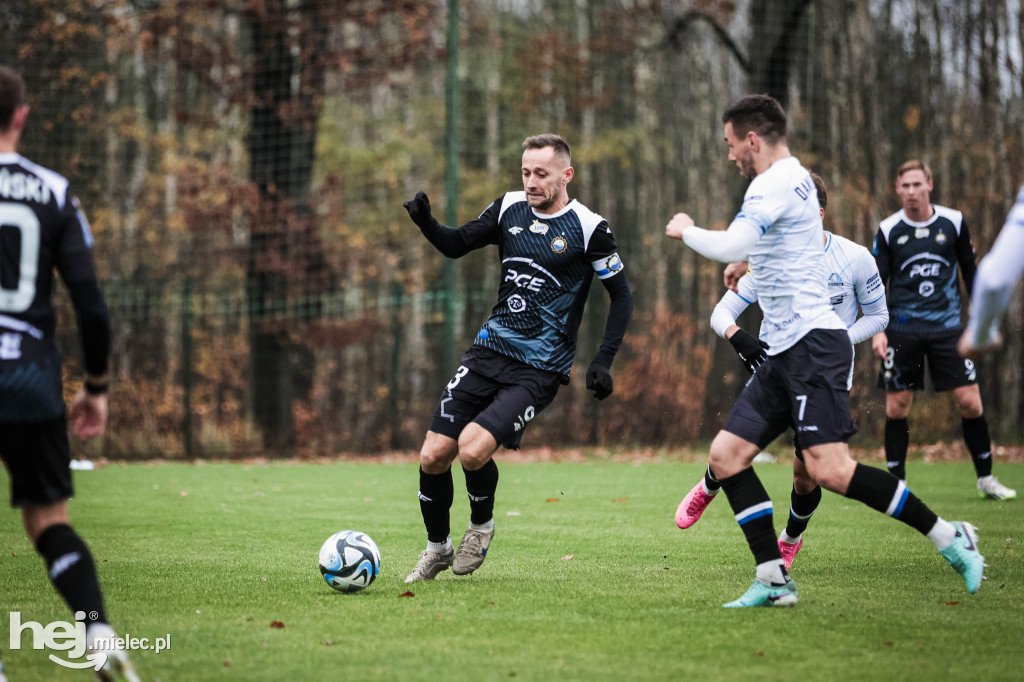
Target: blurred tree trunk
(286, 43)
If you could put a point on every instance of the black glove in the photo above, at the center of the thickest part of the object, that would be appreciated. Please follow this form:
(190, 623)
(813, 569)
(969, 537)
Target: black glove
(750, 350)
(419, 210)
(599, 380)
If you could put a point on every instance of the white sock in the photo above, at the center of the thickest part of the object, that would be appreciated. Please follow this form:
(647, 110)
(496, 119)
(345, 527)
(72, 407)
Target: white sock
(984, 479)
(772, 572)
(942, 534)
(483, 527)
(785, 537)
(704, 486)
(445, 547)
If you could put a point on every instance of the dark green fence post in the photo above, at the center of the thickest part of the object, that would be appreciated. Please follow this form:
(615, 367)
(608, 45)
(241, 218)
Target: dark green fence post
(451, 180)
(186, 364)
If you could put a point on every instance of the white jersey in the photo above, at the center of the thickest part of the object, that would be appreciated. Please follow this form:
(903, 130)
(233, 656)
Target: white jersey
(996, 277)
(853, 279)
(853, 283)
(788, 263)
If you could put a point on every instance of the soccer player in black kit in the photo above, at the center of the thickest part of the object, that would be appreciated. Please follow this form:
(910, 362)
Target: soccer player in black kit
(918, 251)
(549, 248)
(42, 228)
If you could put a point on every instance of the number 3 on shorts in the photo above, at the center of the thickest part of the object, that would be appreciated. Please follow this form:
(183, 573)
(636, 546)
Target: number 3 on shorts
(459, 373)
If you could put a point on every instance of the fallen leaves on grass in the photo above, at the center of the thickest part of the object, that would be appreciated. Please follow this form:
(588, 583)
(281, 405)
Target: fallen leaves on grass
(621, 500)
(952, 603)
(407, 593)
(551, 499)
(277, 625)
(567, 557)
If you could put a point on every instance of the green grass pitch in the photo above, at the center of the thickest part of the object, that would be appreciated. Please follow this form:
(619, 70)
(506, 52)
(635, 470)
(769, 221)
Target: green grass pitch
(587, 579)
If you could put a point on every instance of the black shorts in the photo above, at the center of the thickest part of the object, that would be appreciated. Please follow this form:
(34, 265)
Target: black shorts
(500, 394)
(806, 387)
(39, 461)
(903, 366)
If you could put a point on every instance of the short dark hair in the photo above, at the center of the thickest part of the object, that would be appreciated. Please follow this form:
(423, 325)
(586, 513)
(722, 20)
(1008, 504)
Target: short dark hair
(12, 95)
(914, 164)
(549, 140)
(819, 185)
(761, 113)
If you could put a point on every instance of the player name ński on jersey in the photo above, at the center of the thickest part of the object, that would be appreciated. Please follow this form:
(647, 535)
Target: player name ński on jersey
(547, 261)
(920, 260)
(853, 285)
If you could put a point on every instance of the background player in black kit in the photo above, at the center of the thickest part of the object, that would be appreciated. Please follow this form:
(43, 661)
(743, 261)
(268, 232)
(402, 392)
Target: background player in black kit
(42, 228)
(917, 251)
(549, 248)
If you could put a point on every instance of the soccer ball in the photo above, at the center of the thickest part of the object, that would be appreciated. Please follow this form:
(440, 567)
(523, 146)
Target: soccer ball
(349, 561)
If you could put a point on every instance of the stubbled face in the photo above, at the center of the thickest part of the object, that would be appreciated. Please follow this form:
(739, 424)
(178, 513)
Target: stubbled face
(915, 190)
(545, 175)
(740, 152)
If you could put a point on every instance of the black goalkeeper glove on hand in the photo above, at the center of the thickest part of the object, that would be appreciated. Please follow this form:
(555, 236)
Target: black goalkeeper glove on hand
(750, 350)
(419, 210)
(599, 380)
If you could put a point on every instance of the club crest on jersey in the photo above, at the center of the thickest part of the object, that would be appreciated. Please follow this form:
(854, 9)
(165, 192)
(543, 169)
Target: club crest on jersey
(940, 238)
(903, 240)
(515, 230)
(516, 303)
(539, 228)
(921, 232)
(558, 244)
(834, 280)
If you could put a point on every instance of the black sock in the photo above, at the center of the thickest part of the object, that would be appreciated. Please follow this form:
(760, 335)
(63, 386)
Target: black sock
(710, 481)
(753, 509)
(897, 440)
(436, 494)
(72, 571)
(480, 486)
(978, 443)
(801, 507)
(884, 492)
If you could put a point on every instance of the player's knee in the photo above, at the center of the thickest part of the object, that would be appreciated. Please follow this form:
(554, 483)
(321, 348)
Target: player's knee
(803, 484)
(436, 457)
(897, 406)
(970, 406)
(476, 447)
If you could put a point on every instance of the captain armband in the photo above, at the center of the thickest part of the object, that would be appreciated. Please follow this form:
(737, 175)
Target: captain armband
(608, 266)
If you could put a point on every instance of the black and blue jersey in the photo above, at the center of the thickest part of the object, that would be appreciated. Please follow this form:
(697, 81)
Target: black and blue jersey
(918, 262)
(547, 263)
(42, 229)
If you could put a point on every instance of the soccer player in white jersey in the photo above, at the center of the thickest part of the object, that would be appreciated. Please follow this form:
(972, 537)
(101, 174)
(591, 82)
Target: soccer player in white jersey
(853, 285)
(993, 284)
(804, 381)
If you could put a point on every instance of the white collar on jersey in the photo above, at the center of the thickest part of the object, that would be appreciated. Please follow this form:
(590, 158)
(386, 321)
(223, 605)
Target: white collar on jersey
(926, 223)
(548, 216)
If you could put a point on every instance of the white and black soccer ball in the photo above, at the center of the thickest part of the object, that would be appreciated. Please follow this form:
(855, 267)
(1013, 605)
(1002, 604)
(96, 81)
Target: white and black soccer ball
(349, 561)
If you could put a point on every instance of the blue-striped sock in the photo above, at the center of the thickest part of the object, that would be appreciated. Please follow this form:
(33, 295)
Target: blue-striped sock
(753, 509)
(801, 508)
(883, 492)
